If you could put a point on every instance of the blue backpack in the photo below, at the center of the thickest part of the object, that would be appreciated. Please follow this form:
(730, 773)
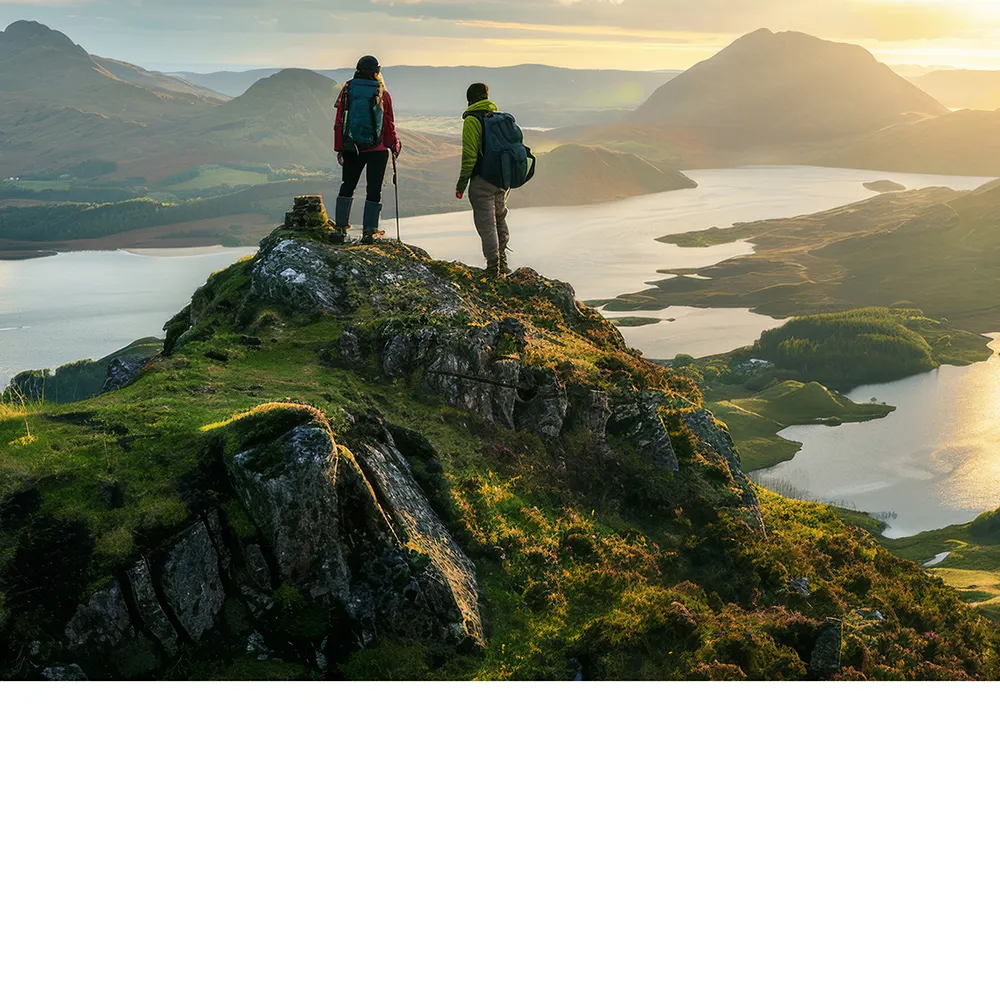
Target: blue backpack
(504, 160)
(363, 115)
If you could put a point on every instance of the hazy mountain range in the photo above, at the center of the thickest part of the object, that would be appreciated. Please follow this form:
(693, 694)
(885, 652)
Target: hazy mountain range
(70, 117)
(964, 88)
(541, 96)
(790, 98)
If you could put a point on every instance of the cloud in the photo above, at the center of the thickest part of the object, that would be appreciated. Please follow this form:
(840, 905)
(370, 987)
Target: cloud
(581, 32)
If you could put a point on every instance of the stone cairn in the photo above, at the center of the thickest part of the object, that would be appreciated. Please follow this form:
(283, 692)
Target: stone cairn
(309, 212)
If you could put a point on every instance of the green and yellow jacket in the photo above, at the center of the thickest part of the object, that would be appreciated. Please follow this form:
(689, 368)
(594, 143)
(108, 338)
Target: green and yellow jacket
(472, 138)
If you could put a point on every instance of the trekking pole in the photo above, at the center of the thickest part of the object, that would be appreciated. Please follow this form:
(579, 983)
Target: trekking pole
(395, 187)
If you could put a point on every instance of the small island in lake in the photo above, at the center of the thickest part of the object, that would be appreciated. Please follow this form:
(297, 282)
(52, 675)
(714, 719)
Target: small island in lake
(884, 187)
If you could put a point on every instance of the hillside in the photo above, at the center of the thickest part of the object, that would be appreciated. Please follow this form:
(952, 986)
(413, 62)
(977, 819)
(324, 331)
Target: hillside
(964, 142)
(163, 83)
(583, 175)
(540, 96)
(61, 110)
(964, 88)
(45, 67)
(935, 250)
(359, 463)
(770, 88)
(287, 117)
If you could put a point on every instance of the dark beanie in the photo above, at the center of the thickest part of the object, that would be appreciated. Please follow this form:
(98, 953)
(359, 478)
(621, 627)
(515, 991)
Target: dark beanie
(477, 92)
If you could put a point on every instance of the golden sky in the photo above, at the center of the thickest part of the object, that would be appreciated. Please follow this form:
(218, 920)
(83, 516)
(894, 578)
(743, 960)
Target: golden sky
(639, 34)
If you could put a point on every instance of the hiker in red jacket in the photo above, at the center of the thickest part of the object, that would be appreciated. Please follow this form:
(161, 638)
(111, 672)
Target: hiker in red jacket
(363, 137)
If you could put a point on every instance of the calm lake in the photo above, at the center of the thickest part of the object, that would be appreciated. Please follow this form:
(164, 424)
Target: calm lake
(87, 304)
(930, 462)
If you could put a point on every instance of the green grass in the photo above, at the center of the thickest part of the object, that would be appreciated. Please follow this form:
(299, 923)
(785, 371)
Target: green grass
(212, 176)
(755, 421)
(589, 560)
(973, 565)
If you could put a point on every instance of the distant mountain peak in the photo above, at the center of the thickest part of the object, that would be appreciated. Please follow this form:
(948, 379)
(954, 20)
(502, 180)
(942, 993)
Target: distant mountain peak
(28, 34)
(788, 86)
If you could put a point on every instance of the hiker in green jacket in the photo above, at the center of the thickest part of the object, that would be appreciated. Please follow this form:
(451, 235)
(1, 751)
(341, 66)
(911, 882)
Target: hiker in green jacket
(489, 202)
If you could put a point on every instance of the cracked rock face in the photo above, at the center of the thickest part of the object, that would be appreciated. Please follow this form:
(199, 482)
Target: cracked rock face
(444, 587)
(191, 584)
(289, 488)
(151, 616)
(103, 622)
(296, 274)
(636, 417)
(707, 429)
(308, 276)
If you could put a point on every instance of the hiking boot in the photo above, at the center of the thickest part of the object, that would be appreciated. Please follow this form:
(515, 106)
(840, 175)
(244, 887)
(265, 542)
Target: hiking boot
(502, 264)
(493, 268)
(341, 221)
(373, 210)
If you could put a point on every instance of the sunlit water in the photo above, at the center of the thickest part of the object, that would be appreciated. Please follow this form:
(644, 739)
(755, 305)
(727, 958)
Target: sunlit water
(87, 304)
(935, 461)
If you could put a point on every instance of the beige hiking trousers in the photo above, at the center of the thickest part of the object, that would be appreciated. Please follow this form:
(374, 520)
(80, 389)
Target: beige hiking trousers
(489, 209)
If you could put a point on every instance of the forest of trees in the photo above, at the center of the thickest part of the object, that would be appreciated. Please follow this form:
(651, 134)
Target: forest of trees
(849, 348)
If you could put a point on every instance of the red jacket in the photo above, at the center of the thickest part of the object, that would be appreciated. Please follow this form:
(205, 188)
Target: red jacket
(389, 138)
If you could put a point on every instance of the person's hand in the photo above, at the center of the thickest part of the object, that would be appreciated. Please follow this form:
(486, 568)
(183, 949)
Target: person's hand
(459, 195)
(397, 149)
(340, 158)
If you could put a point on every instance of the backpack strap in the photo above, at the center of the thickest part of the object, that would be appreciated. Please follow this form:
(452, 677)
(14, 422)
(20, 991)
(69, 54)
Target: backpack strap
(481, 117)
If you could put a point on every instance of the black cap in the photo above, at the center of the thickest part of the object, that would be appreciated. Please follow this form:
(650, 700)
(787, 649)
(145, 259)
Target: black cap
(368, 64)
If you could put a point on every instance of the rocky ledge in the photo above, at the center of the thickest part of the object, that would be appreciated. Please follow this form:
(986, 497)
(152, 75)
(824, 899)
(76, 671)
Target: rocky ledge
(314, 531)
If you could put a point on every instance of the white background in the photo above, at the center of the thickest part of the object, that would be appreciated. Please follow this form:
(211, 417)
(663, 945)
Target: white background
(243, 842)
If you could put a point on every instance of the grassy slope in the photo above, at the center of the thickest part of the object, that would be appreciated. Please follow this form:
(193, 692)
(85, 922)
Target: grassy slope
(973, 565)
(583, 558)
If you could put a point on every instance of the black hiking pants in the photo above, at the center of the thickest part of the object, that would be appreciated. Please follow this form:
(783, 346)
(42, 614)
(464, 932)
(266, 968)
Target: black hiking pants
(354, 167)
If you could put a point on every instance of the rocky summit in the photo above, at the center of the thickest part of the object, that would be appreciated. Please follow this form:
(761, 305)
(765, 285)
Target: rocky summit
(356, 462)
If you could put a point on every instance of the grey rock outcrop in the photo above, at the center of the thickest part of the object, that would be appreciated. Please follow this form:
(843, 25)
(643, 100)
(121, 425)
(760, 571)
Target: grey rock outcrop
(122, 372)
(307, 276)
(102, 623)
(708, 430)
(191, 584)
(636, 417)
(446, 591)
(151, 616)
(289, 488)
(825, 660)
(69, 672)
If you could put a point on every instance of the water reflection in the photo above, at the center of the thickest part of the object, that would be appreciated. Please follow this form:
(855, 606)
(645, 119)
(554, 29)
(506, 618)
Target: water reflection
(933, 462)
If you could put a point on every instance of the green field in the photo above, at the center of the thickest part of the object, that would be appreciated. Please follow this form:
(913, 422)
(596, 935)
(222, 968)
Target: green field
(755, 420)
(212, 176)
